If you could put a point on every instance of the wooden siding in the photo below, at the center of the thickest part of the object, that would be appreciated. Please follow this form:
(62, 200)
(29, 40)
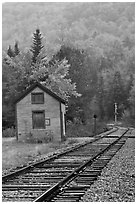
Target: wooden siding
(24, 115)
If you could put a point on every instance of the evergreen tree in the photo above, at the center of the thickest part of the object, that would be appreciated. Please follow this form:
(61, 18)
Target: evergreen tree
(15, 52)
(10, 52)
(16, 49)
(118, 90)
(116, 94)
(100, 96)
(37, 45)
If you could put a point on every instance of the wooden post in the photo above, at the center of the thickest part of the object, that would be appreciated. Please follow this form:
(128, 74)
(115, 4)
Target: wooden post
(61, 123)
(95, 125)
(115, 113)
(16, 122)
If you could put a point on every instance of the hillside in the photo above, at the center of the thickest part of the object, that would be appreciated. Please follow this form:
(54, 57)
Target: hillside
(89, 51)
(72, 23)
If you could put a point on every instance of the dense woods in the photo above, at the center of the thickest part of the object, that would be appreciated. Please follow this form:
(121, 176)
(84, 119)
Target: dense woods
(85, 52)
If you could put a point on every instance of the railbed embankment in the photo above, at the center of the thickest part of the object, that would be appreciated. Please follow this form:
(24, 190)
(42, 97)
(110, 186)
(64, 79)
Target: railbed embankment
(117, 181)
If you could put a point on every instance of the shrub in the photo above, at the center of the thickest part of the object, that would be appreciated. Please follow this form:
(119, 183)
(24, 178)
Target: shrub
(80, 130)
(63, 139)
(128, 118)
(48, 137)
(29, 138)
(9, 132)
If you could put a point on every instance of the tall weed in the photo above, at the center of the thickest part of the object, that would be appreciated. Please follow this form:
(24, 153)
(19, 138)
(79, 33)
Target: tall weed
(9, 132)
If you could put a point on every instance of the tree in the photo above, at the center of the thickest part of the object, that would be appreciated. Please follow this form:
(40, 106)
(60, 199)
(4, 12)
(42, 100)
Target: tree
(15, 52)
(53, 76)
(16, 49)
(37, 45)
(20, 73)
(116, 94)
(132, 101)
(77, 74)
(83, 71)
(129, 113)
(10, 52)
(100, 95)
(8, 116)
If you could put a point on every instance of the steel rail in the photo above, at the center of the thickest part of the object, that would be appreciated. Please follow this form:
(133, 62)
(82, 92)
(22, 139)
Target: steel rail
(46, 196)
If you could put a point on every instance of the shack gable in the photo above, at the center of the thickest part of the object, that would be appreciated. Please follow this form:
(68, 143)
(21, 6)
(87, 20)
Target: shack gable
(49, 101)
(35, 85)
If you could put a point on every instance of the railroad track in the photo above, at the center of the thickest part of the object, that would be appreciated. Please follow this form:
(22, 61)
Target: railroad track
(63, 177)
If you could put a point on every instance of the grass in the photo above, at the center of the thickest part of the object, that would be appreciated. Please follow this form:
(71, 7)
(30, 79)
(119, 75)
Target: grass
(16, 154)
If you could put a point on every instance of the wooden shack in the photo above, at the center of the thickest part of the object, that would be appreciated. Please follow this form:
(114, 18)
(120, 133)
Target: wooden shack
(39, 113)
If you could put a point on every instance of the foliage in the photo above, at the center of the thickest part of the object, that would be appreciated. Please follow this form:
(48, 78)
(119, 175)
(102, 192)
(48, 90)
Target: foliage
(15, 52)
(48, 137)
(9, 132)
(19, 73)
(53, 76)
(37, 45)
(83, 74)
(10, 52)
(75, 24)
(89, 53)
(129, 114)
(116, 94)
(101, 97)
(80, 130)
(16, 49)
(128, 118)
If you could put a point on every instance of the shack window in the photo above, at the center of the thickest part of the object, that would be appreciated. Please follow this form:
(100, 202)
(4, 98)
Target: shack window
(37, 98)
(38, 119)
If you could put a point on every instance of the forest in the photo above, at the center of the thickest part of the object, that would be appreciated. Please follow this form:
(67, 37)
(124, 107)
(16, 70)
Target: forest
(84, 52)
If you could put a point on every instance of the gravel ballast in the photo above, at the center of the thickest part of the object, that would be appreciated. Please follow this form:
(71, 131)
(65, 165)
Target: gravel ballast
(117, 181)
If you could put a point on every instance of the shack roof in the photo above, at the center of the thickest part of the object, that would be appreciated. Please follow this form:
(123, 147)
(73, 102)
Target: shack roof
(39, 85)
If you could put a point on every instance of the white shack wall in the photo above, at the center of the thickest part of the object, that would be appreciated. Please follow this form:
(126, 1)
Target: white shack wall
(24, 116)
